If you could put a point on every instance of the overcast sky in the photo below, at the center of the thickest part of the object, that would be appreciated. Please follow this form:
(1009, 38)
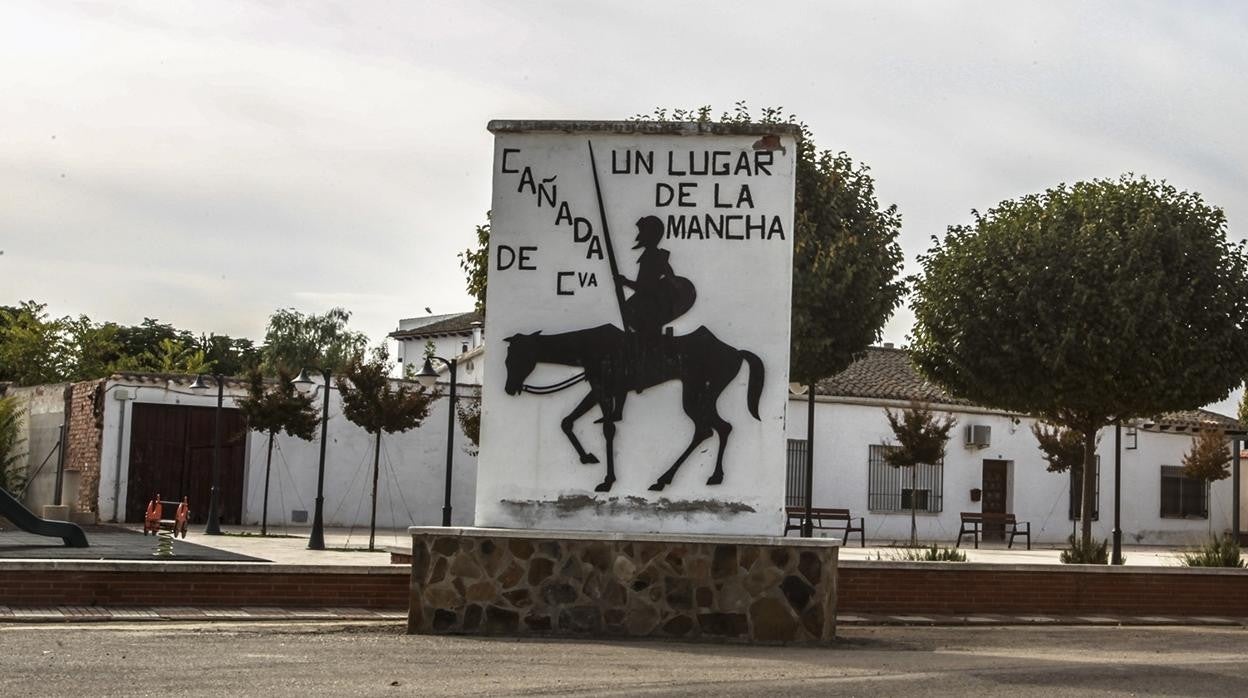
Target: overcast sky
(206, 163)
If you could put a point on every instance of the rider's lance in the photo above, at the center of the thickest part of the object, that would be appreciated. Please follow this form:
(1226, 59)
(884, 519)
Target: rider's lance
(606, 237)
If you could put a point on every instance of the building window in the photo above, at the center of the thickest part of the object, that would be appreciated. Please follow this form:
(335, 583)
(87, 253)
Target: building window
(1131, 438)
(1076, 494)
(1183, 497)
(891, 489)
(463, 348)
(795, 474)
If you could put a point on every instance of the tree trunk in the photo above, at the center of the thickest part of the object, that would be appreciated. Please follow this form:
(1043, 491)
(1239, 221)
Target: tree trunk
(372, 521)
(264, 510)
(1088, 503)
(914, 529)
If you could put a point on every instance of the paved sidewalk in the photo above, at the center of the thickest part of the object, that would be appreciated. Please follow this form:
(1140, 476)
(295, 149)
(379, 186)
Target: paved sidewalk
(78, 614)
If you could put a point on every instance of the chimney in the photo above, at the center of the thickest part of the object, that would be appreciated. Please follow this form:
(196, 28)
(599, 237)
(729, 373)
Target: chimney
(888, 345)
(477, 332)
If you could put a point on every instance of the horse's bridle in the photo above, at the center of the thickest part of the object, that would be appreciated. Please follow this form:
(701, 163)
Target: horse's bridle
(554, 387)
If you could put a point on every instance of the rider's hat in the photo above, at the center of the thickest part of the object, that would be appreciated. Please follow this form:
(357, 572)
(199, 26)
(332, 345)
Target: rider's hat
(649, 231)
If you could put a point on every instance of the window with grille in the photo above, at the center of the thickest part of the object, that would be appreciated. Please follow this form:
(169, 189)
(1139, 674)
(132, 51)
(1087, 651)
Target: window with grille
(795, 474)
(893, 489)
(1183, 497)
(1076, 493)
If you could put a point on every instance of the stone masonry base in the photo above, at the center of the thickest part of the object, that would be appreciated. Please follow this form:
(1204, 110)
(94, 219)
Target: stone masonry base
(514, 582)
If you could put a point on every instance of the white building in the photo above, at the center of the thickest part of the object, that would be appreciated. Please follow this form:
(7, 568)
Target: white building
(450, 336)
(1000, 469)
(134, 435)
(156, 437)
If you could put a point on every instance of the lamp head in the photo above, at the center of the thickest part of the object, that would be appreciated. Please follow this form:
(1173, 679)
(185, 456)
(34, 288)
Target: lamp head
(302, 382)
(427, 377)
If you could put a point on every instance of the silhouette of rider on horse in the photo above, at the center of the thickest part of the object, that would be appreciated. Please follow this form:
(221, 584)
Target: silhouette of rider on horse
(659, 296)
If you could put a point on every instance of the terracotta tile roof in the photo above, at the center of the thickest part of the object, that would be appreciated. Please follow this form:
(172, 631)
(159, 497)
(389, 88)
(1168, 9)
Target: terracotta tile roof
(885, 373)
(1193, 420)
(453, 324)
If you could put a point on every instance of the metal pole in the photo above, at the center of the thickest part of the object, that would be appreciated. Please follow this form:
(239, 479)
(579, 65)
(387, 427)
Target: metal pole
(1235, 442)
(808, 524)
(60, 463)
(316, 541)
(606, 237)
(1117, 560)
(214, 525)
(450, 442)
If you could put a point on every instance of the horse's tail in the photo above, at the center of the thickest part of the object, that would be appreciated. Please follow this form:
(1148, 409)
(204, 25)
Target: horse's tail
(755, 388)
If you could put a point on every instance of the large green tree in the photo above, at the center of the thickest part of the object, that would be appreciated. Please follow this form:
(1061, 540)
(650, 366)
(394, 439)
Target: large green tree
(297, 340)
(373, 400)
(32, 345)
(1100, 301)
(475, 261)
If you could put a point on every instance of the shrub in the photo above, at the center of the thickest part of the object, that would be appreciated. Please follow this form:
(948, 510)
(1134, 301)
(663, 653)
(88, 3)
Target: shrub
(1086, 553)
(12, 476)
(932, 554)
(1218, 552)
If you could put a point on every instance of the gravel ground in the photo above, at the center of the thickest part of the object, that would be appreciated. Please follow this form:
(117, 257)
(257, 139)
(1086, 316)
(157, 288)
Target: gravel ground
(342, 659)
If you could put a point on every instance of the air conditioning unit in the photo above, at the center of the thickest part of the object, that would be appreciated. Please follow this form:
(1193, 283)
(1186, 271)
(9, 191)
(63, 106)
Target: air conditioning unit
(977, 435)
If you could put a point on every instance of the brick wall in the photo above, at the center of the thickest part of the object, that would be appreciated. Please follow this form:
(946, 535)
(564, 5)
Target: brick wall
(967, 588)
(145, 584)
(85, 407)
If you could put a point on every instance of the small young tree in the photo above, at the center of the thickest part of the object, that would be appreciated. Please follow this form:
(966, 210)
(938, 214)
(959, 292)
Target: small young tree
(274, 408)
(378, 403)
(1209, 459)
(1063, 452)
(921, 438)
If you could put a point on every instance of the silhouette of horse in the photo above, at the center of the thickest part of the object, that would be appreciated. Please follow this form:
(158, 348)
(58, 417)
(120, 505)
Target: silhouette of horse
(616, 362)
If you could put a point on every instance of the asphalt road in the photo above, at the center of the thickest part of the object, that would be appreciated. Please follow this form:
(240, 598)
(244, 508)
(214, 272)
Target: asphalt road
(378, 659)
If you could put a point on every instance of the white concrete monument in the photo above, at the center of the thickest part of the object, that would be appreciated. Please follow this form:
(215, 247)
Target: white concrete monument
(638, 327)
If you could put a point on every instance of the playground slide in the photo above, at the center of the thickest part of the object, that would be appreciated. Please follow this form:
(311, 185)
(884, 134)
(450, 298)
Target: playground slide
(25, 519)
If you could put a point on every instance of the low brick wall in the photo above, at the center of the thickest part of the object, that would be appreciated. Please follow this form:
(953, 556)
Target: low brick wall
(493, 581)
(970, 588)
(206, 584)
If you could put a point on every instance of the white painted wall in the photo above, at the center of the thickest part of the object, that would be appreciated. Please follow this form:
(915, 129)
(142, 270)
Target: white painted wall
(410, 489)
(528, 468)
(845, 431)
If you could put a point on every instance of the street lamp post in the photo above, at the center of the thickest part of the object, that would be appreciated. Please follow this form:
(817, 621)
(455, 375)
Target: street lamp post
(214, 523)
(1117, 556)
(316, 541)
(428, 377)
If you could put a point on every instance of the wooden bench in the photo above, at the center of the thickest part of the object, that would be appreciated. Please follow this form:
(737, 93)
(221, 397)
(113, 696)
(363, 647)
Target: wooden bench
(973, 525)
(824, 518)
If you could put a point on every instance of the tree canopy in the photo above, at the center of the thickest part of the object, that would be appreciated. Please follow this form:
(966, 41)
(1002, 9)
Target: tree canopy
(1062, 448)
(375, 401)
(1085, 304)
(921, 436)
(276, 407)
(1209, 457)
(297, 340)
